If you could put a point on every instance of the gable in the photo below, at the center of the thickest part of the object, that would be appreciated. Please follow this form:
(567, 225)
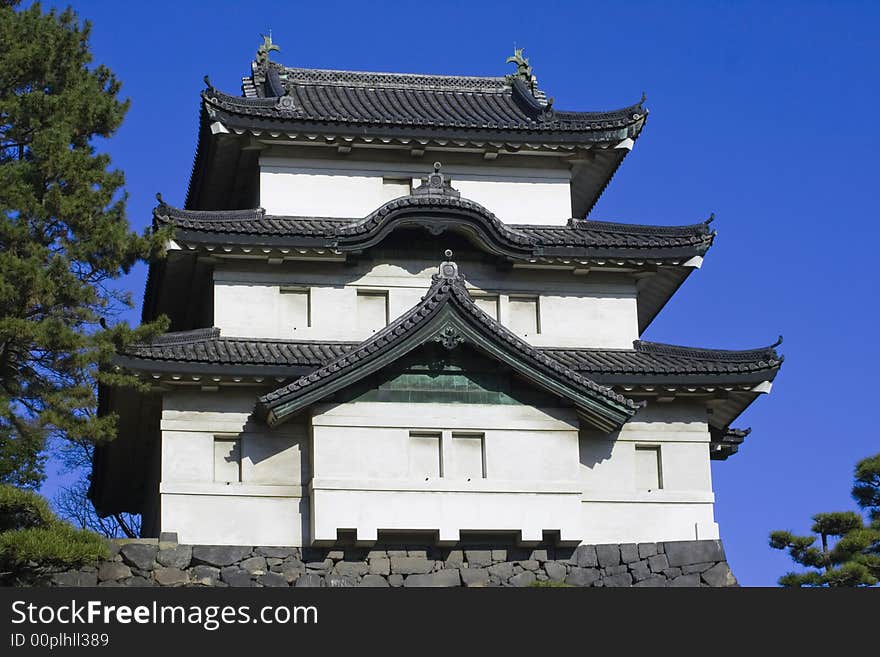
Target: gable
(448, 317)
(434, 374)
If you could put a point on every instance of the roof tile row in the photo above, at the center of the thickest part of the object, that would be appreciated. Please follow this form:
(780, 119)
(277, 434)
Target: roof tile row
(207, 346)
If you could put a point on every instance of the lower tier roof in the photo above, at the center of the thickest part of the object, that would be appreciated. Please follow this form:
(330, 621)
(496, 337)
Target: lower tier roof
(207, 351)
(650, 369)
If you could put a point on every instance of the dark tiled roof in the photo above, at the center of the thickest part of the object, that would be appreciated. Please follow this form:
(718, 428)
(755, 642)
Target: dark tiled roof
(415, 104)
(652, 359)
(580, 238)
(592, 234)
(205, 346)
(447, 314)
(648, 360)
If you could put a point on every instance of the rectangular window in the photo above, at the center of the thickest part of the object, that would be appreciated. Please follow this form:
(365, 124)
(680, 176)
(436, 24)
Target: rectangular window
(468, 456)
(649, 475)
(372, 309)
(227, 459)
(523, 317)
(488, 303)
(295, 307)
(425, 455)
(396, 187)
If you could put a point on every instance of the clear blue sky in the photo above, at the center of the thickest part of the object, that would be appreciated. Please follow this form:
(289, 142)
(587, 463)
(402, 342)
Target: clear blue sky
(760, 112)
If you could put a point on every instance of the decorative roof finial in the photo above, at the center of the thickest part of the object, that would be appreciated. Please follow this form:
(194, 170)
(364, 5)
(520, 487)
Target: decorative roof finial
(160, 199)
(265, 48)
(436, 184)
(448, 268)
(523, 69)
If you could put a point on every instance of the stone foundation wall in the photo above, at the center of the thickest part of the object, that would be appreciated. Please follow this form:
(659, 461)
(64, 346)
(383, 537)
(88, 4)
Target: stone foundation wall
(149, 562)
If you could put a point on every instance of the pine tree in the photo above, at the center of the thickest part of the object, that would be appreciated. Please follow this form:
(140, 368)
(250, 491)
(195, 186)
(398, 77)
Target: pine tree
(848, 553)
(64, 238)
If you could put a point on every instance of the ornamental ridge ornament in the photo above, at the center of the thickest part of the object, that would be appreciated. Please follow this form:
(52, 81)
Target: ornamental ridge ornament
(523, 69)
(263, 51)
(448, 268)
(436, 184)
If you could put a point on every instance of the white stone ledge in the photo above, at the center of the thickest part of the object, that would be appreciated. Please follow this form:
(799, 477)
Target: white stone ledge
(664, 437)
(653, 496)
(241, 489)
(199, 426)
(451, 486)
(202, 425)
(664, 425)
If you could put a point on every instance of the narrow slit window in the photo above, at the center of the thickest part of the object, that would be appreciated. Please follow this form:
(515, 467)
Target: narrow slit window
(372, 309)
(425, 454)
(523, 315)
(227, 460)
(296, 307)
(649, 474)
(488, 303)
(468, 456)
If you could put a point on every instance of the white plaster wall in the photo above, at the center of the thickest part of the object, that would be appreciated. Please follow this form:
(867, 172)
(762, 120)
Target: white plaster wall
(267, 507)
(646, 522)
(448, 513)
(614, 510)
(543, 473)
(240, 519)
(575, 311)
(530, 484)
(369, 440)
(339, 188)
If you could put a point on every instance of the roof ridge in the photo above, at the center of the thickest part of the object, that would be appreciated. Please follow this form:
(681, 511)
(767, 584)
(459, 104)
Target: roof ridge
(182, 337)
(290, 341)
(703, 353)
(621, 227)
(169, 211)
(344, 77)
(214, 333)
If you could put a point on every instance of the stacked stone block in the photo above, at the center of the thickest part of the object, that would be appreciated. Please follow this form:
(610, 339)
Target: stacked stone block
(147, 562)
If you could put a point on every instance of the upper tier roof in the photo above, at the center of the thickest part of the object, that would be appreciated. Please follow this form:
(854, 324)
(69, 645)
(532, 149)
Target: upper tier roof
(493, 116)
(416, 104)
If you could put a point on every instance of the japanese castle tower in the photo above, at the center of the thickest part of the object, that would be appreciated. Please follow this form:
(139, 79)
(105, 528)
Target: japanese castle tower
(367, 344)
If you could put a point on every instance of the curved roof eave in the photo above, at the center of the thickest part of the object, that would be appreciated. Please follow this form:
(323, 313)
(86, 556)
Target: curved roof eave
(575, 128)
(583, 239)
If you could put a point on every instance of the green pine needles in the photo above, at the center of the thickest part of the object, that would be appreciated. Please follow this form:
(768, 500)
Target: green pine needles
(64, 238)
(848, 550)
(34, 541)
